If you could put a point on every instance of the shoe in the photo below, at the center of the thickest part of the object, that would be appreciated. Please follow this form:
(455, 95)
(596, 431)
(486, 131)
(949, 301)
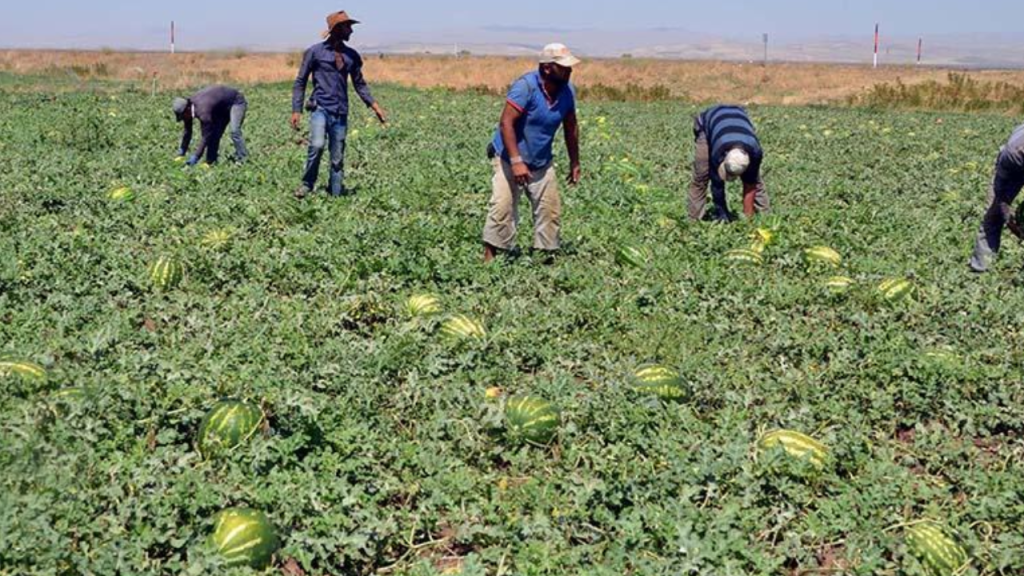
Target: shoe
(301, 192)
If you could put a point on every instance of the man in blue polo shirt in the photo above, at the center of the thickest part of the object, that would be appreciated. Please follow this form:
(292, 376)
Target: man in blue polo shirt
(521, 152)
(331, 63)
(726, 148)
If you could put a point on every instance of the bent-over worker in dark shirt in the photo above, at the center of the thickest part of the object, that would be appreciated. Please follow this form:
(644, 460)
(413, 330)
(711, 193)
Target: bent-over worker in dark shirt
(726, 148)
(216, 108)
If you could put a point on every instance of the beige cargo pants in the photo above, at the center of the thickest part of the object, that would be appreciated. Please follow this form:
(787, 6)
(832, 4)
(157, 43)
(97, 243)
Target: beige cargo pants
(503, 209)
(698, 197)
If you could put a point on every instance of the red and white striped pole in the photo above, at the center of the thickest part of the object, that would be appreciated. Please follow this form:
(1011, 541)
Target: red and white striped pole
(172, 36)
(876, 45)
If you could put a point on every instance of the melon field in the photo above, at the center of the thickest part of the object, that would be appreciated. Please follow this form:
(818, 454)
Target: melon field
(647, 369)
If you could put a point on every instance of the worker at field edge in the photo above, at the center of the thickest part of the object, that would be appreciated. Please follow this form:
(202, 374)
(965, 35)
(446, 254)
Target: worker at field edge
(1006, 184)
(331, 63)
(521, 153)
(216, 108)
(725, 139)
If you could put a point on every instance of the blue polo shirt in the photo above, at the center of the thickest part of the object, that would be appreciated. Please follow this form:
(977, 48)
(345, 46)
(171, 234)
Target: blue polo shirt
(536, 128)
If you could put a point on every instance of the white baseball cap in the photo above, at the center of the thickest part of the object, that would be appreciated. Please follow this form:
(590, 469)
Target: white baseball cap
(558, 54)
(735, 164)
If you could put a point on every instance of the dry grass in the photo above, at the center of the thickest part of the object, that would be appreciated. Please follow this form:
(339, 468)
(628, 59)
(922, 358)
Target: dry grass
(701, 81)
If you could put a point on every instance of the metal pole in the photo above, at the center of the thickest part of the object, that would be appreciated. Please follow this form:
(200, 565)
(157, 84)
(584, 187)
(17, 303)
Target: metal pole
(765, 50)
(920, 43)
(172, 36)
(876, 46)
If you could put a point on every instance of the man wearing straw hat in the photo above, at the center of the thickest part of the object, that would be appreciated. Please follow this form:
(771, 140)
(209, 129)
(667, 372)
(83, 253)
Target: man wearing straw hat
(331, 63)
(725, 140)
(521, 153)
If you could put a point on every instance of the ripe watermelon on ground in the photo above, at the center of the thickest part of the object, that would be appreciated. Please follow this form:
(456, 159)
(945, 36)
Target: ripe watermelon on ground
(23, 369)
(461, 327)
(744, 256)
(532, 419)
(632, 256)
(166, 273)
(228, 424)
(122, 194)
(796, 445)
(937, 551)
(896, 289)
(419, 305)
(245, 537)
(660, 381)
(822, 255)
(838, 284)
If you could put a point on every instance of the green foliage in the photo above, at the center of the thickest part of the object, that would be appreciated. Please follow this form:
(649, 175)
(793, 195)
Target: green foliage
(384, 453)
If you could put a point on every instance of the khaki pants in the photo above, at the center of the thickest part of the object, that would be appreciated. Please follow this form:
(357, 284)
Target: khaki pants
(503, 209)
(698, 199)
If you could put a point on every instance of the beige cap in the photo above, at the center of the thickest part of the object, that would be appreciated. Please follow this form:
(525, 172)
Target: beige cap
(735, 164)
(558, 54)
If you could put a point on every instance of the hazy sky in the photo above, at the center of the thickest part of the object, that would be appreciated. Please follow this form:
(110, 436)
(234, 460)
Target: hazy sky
(275, 24)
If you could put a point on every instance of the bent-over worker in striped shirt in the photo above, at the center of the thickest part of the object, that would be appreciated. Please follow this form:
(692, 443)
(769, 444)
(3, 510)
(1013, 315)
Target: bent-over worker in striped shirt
(725, 140)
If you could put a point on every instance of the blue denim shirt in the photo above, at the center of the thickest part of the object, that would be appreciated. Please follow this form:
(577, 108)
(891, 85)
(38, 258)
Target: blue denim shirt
(330, 85)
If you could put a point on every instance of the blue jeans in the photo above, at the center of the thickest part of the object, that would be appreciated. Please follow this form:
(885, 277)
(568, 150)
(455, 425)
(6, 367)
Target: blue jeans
(326, 128)
(1006, 185)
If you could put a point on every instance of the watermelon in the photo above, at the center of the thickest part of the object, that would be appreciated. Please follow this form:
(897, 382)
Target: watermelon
(632, 256)
(531, 419)
(744, 256)
(245, 537)
(216, 239)
(660, 381)
(228, 424)
(940, 554)
(896, 289)
(838, 284)
(23, 369)
(822, 255)
(761, 238)
(166, 273)
(460, 327)
(123, 194)
(422, 305)
(797, 445)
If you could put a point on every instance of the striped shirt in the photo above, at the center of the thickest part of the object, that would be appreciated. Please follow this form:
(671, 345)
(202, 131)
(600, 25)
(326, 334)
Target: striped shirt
(728, 127)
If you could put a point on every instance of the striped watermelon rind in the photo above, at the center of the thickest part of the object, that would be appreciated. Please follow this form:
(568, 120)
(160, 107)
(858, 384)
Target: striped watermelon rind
(838, 284)
(461, 327)
(822, 255)
(796, 445)
(228, 424)
(122, 194)
(936, 549)
(532, 419)
(660, 381)
(744, 256)
(216, 239)
(896, 289)
(245, 537)
(23, 369)
(632, 256)
(762, 237)
(419, 305)
(166, 273)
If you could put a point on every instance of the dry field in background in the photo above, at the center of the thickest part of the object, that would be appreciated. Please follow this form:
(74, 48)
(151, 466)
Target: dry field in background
(781, 83)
